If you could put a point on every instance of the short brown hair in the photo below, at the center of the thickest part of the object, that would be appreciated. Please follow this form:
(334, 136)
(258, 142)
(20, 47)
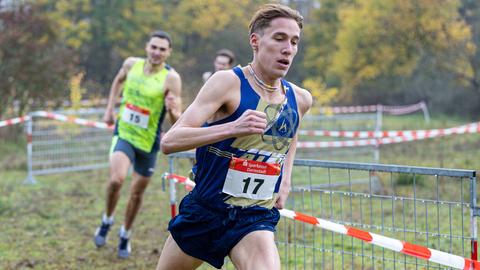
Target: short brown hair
(227, 53)
(163, 35)
(262, 18)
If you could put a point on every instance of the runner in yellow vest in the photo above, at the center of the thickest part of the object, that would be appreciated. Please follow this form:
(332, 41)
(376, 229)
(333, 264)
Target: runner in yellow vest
(150, 90)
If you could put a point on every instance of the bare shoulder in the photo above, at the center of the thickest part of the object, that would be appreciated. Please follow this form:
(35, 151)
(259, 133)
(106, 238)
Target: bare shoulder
(129, 62)
(222, 86)
(173, 74)
(224, 78)
(304, 98)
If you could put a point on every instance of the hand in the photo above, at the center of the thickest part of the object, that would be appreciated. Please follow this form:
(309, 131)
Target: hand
(281, 200)
(109, 117)
(250, 122)
(170, 102)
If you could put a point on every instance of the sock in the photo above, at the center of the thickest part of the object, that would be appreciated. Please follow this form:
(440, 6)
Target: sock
(107, 220)
(124, 233)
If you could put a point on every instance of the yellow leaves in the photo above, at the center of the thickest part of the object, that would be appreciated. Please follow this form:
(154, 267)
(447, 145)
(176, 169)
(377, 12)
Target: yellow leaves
(127, 14)
(72, 28)
(204, 17)
(378, 38)
(322, 95)
(368, 72)
(43, 40)
(76, 91)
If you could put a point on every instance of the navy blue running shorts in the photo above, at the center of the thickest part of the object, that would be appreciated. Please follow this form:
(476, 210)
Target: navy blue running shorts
(143, 162)
(209, 234)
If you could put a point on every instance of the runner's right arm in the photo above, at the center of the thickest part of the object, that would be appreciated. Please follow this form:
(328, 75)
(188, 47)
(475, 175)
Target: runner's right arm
(116, 89)
(221, 91)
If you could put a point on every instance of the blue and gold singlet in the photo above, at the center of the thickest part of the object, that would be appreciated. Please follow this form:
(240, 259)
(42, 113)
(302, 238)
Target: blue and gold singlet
(247, 171)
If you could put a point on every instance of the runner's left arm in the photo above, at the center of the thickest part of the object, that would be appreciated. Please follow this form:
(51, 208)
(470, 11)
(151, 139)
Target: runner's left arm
(287, 175)
(173, 96)
(304, 103)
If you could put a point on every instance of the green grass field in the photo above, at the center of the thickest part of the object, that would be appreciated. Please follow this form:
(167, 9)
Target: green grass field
(50, 225)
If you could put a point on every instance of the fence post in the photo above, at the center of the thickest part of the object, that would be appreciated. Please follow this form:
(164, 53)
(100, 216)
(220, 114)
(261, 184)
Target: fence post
(474, 212)
(172, 189)
(426, 115)
(29, 131)
(378, 128)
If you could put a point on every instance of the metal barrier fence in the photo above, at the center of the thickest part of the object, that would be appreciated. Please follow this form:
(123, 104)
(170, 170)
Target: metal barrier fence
(431, 207)
(55, 146)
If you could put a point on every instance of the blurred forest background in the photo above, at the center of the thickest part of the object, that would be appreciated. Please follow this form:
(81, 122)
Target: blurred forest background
(352, 52)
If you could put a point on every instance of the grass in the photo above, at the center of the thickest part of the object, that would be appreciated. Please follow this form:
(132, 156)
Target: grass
(50, 225)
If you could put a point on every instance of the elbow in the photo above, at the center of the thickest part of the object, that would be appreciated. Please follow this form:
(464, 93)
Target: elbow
(165, 144)
(164, 149)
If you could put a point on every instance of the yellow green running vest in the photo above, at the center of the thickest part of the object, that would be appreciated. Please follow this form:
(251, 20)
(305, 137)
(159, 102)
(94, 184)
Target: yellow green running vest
(142, 108)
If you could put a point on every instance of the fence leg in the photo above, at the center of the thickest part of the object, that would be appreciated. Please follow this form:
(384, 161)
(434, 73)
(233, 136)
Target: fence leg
(378, 128)
(29, 130)
(172, 188)
(473, 218)
(426, 114)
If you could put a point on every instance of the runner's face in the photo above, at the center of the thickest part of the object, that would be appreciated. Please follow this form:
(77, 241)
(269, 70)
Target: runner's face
(277, 47)
(158, 50)
(222, 62)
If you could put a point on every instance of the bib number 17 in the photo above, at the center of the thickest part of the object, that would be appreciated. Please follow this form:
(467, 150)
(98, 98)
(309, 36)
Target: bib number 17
(251, 179)
(257, 184)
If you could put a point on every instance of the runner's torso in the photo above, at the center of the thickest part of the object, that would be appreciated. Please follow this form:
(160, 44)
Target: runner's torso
(142, 107)
(246, 171)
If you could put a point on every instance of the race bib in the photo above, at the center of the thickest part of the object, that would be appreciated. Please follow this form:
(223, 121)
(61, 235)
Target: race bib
(135, 115)
(251, 179)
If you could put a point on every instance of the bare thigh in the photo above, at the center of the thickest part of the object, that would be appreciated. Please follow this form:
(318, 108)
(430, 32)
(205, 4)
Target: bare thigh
(256, 251)
(119, 164)
(173, 257)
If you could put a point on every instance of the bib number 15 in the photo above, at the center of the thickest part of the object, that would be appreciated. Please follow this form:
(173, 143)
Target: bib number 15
(135, 115)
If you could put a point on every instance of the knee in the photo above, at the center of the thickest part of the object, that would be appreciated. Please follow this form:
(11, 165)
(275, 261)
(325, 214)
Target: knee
(116, 182)
(137, 194)
(139, 186)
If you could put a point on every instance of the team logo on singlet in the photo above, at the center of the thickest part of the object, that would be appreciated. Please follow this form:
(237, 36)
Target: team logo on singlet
(281, 122)
(283, 127)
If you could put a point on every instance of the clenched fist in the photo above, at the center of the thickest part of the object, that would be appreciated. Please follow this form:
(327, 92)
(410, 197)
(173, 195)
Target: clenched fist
(250, 122)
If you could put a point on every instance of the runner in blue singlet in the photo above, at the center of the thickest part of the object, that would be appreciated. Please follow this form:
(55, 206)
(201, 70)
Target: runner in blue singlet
(245, 153)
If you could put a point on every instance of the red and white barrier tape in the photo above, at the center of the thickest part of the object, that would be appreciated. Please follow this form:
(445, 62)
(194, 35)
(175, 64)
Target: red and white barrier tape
(338, 144)
(189, 184)
(348, 109)
(395, 110)
(14, 121)
(421, 252)
(400, 110)
(79, 121)
(359, 143)
(416, 134)
(385, 137)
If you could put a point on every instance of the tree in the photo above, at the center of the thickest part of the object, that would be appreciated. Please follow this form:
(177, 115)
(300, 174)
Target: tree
(379, 44)
(35, 65)
(320, 34)
(470, 11)
(103, 33)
